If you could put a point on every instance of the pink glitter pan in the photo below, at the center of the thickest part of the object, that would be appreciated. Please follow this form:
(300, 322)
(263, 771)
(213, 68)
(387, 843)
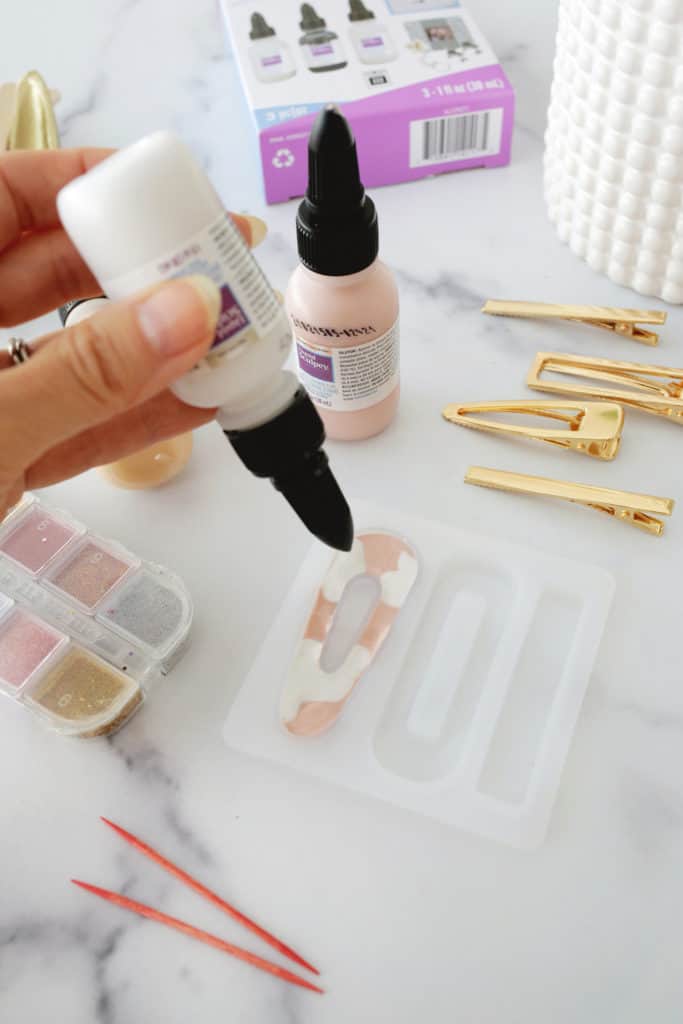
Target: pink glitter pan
(37, 538)
(26, 643)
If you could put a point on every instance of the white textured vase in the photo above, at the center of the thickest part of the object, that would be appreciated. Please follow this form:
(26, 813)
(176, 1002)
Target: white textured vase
(614, 142)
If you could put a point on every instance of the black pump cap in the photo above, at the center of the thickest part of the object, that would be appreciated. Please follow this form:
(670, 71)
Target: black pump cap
(288, 449)
(260, 29)
(359, 12)
(310, 19)
(336, 224)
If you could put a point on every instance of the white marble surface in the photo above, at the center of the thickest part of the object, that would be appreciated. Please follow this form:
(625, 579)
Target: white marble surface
(408, 920)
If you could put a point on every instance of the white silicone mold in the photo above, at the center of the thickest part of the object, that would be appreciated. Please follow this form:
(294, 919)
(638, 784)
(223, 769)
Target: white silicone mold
(467, 712)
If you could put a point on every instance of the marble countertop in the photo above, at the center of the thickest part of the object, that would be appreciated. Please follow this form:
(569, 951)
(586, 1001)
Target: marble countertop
(408, 919)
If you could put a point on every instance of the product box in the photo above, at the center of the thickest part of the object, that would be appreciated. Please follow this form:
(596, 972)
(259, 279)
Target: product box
(418, 82)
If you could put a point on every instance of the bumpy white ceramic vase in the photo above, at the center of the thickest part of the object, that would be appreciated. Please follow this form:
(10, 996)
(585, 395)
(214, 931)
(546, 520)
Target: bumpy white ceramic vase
(614, 142)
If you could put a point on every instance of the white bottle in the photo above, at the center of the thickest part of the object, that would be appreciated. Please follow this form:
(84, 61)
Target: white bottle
(270, 58)
(149, 213)
(371, 39)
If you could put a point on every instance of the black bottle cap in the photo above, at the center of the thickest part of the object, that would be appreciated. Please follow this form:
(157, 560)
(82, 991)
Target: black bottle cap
(68, 307)
(288, 449)
(260, 29)
(310, 19)
(359, 12)
(336, 223)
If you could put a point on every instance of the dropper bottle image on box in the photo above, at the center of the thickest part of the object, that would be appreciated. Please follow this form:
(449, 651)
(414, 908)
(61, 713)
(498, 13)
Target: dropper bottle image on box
(322, 48)
(149, 213)
(270, 57)
(371, 39)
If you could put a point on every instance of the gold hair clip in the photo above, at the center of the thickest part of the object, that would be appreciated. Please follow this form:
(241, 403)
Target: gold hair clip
(34, 125)
(593, 428)
(620, 321)
(654, 389)
(8, 92)
(637, 509)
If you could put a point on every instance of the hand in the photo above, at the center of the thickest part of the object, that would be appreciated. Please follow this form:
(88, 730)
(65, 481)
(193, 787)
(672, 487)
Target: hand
(97, 391)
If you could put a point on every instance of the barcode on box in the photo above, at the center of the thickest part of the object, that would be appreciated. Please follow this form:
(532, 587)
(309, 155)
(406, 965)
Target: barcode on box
(459, 136)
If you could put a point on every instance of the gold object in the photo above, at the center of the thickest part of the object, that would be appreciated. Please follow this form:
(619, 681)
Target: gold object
(8, 92)
(87, 693)
(620, 321)
(593, 428)
(34, 125)
(637, 509)
(654, 389)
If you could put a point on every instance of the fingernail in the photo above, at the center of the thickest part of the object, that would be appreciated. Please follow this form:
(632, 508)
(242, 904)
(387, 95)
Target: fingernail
(258, 229)
(180, 314)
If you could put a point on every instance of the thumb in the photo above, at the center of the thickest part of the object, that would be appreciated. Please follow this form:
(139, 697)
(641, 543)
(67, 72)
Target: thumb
(121, 356)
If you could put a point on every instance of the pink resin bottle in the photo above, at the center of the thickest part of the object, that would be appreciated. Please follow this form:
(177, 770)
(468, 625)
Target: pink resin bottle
(342, 301)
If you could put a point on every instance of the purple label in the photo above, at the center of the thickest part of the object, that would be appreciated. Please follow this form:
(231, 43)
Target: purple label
(321, 50)
(373, 41)
(232, 317)
(314, 364)
(268, 61)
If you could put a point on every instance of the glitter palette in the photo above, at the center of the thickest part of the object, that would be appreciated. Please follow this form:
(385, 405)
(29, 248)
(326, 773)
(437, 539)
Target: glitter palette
(85, 626)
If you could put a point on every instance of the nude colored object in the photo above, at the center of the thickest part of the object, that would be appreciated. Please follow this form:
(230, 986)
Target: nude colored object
(368, 299)
(151, 467)
(313, 699)
(341, 300)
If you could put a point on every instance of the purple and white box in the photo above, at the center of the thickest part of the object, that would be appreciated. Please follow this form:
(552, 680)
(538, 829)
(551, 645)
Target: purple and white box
(418, 82)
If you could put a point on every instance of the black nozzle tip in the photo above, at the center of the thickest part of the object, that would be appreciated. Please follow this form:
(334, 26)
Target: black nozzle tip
(336, 224)
(288, 450)
(317, 499)
(331, 131)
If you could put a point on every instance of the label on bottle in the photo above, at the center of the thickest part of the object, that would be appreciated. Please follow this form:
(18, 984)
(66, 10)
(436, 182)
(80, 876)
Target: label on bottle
(323, 54)
(273, 58)
(347, 379)
(249, 306)
(371, 41)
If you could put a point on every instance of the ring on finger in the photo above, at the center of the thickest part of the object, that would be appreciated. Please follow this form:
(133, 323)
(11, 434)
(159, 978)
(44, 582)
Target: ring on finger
(18, 351)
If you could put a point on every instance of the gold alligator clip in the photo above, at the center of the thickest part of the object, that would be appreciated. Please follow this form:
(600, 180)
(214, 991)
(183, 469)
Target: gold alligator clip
(593, 428)
(34, 125)
(637, 509)
(8, 92)
(620, 321)
(654, 389)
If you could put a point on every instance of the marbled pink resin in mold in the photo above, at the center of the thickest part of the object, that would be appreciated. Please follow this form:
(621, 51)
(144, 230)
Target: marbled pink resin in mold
(313, 699)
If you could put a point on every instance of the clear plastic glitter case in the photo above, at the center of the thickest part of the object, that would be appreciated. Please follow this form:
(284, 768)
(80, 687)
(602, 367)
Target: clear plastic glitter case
(85, 626)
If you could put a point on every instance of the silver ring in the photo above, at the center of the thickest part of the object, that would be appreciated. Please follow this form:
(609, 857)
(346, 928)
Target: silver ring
(18, 351)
